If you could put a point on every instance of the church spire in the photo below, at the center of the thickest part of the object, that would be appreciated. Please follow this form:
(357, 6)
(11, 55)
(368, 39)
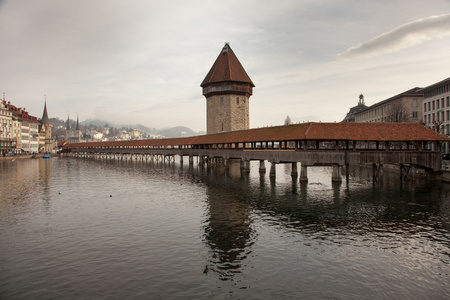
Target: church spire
(45, 118)
(68, 122)
(78, 125)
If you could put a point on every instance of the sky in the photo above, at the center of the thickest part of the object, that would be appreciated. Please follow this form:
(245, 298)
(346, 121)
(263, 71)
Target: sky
(142, 61)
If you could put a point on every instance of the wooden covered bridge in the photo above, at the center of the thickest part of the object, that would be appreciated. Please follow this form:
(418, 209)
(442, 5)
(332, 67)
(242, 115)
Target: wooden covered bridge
(310, 144)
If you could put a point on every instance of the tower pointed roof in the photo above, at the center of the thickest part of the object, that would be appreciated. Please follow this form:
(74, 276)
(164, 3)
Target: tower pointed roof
(68, 123)
(227, 68)
(45, 118)
(78, 124)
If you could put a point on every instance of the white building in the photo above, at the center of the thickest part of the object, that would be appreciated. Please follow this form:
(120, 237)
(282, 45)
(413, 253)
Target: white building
(7, 136)
(436, 108)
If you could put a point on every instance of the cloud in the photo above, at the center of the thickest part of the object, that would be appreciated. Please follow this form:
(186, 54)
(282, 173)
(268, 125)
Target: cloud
(404, 36)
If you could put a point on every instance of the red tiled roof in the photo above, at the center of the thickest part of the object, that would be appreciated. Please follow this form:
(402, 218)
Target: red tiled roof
(328, 131)
(226, 68)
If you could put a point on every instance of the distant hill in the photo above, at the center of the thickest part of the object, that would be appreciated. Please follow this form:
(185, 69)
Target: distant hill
(178, 131)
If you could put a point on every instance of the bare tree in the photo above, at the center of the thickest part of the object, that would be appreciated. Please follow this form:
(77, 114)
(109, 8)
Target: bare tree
(398, 112)
(439, 128)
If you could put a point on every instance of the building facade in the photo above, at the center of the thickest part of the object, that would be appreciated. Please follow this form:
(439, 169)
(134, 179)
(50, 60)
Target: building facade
(7, 134)
(227, 89)
(404, 107)
(26, 129)
(436, 108)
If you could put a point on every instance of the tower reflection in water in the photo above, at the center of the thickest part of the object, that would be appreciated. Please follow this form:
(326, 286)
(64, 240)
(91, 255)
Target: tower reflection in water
(228, 228)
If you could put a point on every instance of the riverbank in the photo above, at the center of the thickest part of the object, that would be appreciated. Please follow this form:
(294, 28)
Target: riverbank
(26, 156)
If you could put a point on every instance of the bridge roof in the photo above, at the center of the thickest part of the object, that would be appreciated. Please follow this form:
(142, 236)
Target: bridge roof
(404, 132)
(328, 132)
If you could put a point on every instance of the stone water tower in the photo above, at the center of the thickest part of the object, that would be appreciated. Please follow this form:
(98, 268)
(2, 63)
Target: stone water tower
(227, 89)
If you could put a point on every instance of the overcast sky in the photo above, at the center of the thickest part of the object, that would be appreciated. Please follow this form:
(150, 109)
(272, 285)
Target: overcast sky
(135, 61)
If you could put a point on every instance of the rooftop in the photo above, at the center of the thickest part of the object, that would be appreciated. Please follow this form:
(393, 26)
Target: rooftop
(226, 68)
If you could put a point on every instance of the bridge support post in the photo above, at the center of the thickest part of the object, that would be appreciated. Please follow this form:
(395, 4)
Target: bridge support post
(294, 172)
(336, 176)
(262, 167)
(303, 173)
(405, 172)
(377, 173)
(191, 160)
(181, 159)
(273, 170)
(245, 166)
(226, 163)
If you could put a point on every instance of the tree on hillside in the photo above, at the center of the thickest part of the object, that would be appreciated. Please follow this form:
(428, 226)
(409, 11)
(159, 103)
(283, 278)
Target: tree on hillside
(287, 121)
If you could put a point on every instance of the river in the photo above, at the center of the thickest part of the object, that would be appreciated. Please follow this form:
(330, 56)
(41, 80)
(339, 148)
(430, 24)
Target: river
(90, 229)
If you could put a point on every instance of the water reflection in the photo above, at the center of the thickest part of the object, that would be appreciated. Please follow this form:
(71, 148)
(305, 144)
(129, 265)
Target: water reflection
(276, 236)
(357, 213)
(24, 179)
(228, 228)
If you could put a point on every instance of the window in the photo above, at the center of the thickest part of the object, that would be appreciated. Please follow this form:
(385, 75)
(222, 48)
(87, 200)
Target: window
(434, 105)
(237, 100)
(437, 103)
(424, 107)
(429, 106)
(414, 115)
(425, 119)
(448, 115)
(414, 102)
(448, 101)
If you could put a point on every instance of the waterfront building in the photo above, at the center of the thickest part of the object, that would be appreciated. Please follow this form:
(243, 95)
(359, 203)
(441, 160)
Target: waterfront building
(436, 108)
(350, 117)
(7, 137)
(26, 129)
(227, 89)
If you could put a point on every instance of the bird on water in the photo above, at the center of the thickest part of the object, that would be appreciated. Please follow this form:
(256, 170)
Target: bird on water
(206, 270)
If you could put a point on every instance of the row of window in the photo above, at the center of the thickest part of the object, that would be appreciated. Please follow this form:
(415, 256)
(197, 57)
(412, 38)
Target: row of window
(438, 91)
(440, 116)
(436, 104)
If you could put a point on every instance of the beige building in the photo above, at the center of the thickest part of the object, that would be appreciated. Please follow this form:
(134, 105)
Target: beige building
(404, 107)
(227, 89)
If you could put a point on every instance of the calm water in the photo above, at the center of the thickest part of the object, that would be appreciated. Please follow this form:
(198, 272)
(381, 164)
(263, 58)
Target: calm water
(86, 229)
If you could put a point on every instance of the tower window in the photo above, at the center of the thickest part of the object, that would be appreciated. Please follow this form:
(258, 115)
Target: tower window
(237, 100)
